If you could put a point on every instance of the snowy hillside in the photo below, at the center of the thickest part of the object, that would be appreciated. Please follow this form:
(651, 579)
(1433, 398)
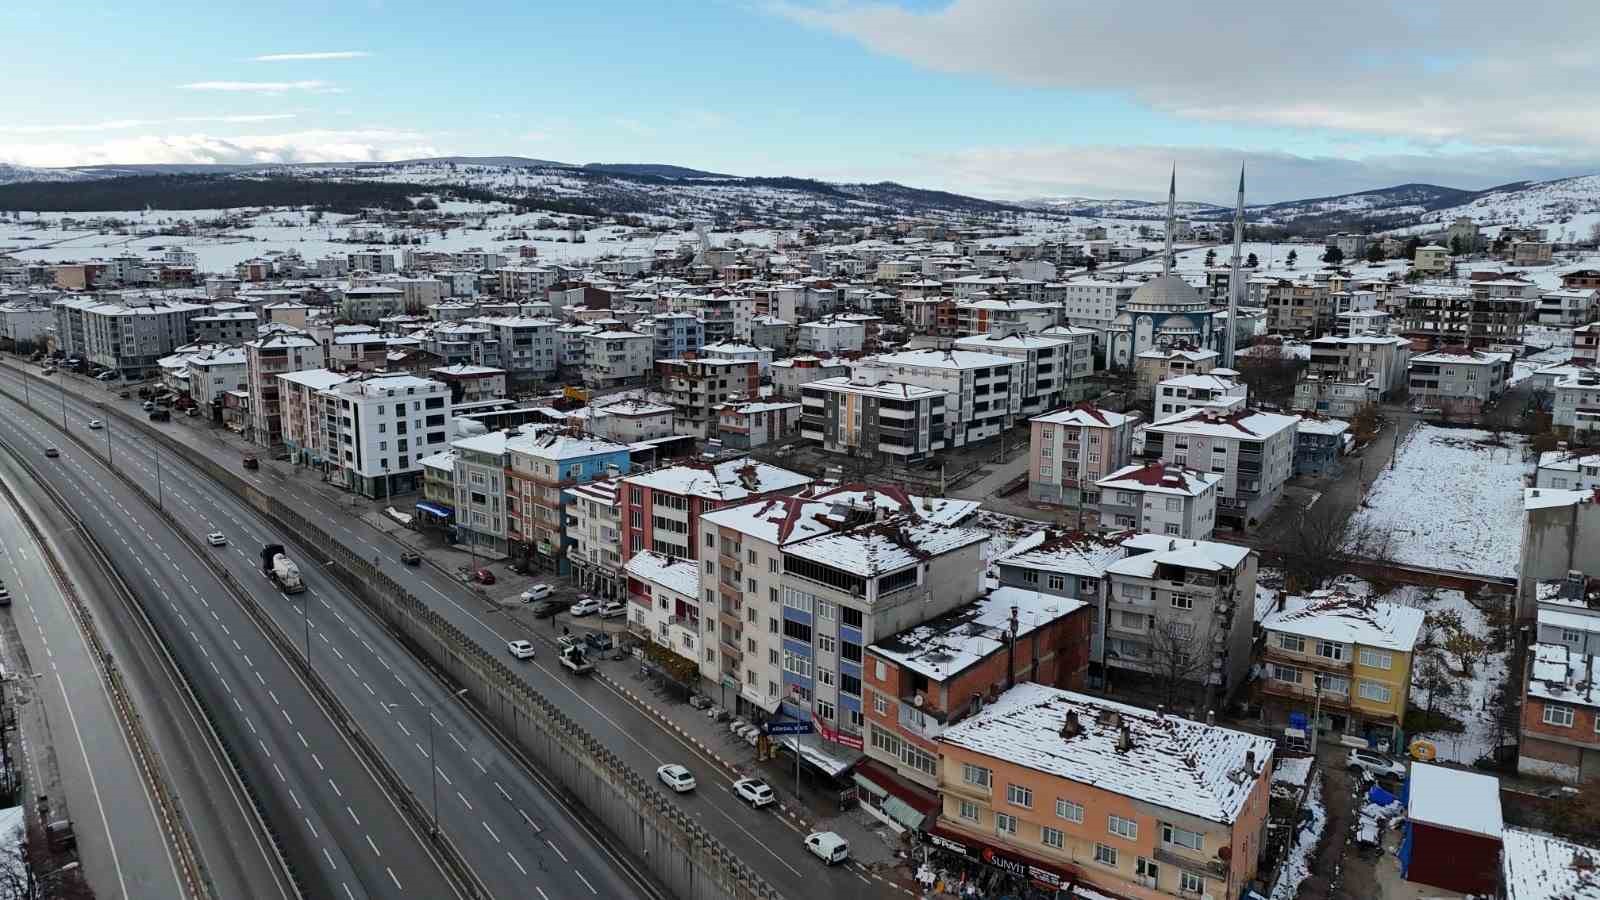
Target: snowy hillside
(1122, 209)
(1568, 207)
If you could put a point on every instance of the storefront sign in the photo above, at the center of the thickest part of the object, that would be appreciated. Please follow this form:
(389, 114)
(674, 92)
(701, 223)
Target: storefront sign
(853, 741)
(1006, 862)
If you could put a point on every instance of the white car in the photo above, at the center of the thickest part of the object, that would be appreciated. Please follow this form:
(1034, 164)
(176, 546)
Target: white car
(754, 791)
(1375, 764)
(216, 539)
(676, 777)
(521, 649)
(584, 607)
(537, 592)
(613, 609)
(828, 846)
(96, 424)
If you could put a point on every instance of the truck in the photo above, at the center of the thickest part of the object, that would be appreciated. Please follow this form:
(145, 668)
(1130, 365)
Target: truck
(281, 569)
(574, 659)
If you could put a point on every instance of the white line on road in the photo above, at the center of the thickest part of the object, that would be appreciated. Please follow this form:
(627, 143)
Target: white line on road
(491, 832)
(586, 882)
(557, 850)
(514, 862)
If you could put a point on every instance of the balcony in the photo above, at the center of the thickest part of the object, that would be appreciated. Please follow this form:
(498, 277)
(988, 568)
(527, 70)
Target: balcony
(1211, 868)
(1308, 661)
(732, 652)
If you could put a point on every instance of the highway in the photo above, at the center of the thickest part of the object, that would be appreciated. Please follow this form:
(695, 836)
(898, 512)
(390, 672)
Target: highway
(343, 833)
(768, 843)
(518, 838)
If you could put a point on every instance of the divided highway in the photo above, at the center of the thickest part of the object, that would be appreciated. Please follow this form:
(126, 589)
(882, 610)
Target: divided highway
(518, 838)
(768, 843)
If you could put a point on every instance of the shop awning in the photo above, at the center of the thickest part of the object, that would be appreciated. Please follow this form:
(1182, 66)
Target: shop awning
(1055, 877)
(443, 512)
(901, 801)
(901, 812)
(829, 761)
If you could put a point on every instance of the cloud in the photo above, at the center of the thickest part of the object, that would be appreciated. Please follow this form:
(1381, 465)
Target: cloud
(124, 124)
(354, 145)
(298, 57)
(260, 87)
(262, 117)
(635, 127)
(1430, 72)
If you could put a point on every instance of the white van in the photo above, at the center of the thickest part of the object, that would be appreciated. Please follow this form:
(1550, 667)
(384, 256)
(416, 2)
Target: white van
(828, 846)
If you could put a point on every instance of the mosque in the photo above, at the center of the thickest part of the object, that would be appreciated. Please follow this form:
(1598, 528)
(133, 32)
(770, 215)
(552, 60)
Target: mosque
(1163, 312)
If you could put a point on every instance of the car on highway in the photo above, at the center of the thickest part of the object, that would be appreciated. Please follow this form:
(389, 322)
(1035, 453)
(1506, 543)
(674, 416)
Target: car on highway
(483, 576)
(537, 592)
(676, 777)
(96, 424)
(52, 452)
(217, 539)
(410, 558)
(521, 649)
(250, 462)
(754, 791)
(1375, 764)
(5, 596)
(828, 846)
(613, 609)
(586, 606)
(149, 405)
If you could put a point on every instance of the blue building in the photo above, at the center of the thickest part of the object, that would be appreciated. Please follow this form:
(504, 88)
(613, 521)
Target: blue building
(539, 469)
(676, 334)
(1319, 443)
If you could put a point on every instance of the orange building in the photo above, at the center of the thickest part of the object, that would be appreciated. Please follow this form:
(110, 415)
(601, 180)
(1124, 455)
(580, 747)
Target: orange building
(1065, 789)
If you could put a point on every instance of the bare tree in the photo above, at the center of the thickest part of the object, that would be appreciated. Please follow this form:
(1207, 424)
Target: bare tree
(1467, 648)
(1311, 549)
(1180, 653)
(1270, 373)
(1438, 686)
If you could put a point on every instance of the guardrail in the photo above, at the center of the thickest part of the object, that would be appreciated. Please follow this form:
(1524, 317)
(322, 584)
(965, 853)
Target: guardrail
(196, 881)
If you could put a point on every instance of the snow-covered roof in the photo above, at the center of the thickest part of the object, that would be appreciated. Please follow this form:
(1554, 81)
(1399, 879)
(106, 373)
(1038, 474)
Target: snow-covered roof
(1309, 425)
(733, 479)
(752, 408)
(1159, 478)
(494, 442)
(1538, 866)
(886, 546)
(890, 390)
(1560, 618)
(785, 519)
(633, 406)
(1548, 498)
(1564, 675)
(1461, 357)
(561, 445)
(1176, 353)
(947, 359)
(1209, 382)
(681, 576)
(945, 646)
(1566, 460)
(1084, 413)
(315, 379)
(1186, 766)
(467, 369)
(1244, 423)
(1147, 551)
(1343, 617)
(1455, 799)
(444, 460)
(1066, 552)
(1011, 341)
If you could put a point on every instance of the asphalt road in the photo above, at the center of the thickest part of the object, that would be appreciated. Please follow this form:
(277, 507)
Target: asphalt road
(233, 847)
(768, 843)
(339, 828)
(518, 838)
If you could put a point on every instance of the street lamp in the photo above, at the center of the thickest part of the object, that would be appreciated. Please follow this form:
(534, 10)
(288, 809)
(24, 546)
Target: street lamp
(433, 764)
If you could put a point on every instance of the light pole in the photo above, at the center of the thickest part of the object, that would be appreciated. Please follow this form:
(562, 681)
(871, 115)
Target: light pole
(433, 764)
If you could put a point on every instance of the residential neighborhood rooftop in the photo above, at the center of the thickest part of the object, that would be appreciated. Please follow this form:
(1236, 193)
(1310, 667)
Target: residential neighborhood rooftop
(1336, 615)
(1455, 799)
(942, 647)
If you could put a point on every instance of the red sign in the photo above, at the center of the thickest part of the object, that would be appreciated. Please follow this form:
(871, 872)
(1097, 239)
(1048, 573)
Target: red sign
(829, 733)
(1014, 864)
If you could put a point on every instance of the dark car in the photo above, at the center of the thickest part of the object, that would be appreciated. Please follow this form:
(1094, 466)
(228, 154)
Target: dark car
(483, 576)
(544, 609)
(598, 641)
(161, 415)
(250, 462)
(411, 557)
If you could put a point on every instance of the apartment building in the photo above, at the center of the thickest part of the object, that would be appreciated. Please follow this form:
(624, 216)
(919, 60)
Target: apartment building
(1158, 364)
(1179, 613)
(662, 507)
(1532, 253)
(1575, 407)
(1347, 373)
(730, 350)
(128, 333)
(1299, 308)
(376, 262)
(265, 359)
(310, 417)
(369, 303)
(675, 334)
(458, 343)
(540, 468)
(1568, 470)
(594, 537)
(756, 423)
(233, 327)
(526, 345)
(1159, 499)
(1070, 449)
(613, 358)
(1488, 315)
(1071, 791)
(868, 415)
(629, 420)
(1347, 656)
(1567, 308)
(525, 282)
(1002, 315)
(664, 606)
(213, 373)
(984, 390)
(696, 388)
(367, 351)
(1094, 303)
(386, 424)
(1431, 259)
(1253, 451)
(1055, 367)
(771, 331)
(1560, 735)
(789, 375)
(830, 335)
(479, 480)
(24, 323)
(471, 384)
(1217, 390)
(933, 675)
(1458, 381)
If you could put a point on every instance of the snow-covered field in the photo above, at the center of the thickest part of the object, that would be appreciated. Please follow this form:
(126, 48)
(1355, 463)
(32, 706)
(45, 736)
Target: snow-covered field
(1473, 694)
(1452, 502)
(1297, 866)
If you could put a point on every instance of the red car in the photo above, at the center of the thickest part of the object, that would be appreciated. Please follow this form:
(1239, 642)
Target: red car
(483, 576)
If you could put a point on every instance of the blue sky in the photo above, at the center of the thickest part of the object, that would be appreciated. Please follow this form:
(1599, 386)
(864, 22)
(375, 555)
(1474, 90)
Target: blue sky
(1001, 98)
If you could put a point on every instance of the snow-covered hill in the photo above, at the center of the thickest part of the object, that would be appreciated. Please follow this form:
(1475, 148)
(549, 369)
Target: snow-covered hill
(1120, 209)
(1567, 208)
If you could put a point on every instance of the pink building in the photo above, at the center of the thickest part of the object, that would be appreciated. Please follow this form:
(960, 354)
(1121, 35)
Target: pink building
(1072, 448)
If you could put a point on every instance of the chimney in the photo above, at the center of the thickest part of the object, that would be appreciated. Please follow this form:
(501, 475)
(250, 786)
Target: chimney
(1070, 726)
(1124, 738)
(1250, 761)
(1211, 717)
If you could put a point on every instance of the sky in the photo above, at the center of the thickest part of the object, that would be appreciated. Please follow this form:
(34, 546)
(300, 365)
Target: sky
(1005, 99)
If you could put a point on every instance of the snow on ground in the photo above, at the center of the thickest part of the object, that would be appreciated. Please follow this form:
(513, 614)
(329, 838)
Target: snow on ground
(1523, 369)
(1297, 865)
(1452, 502)
(1473, 694)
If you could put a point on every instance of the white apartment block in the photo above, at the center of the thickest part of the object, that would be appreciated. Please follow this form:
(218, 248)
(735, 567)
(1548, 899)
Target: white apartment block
(830, 336)
(984, 390)
(1347, 373)
(1575, 409)
(1457, 381)
(1055, 368)
(1252, 451)
(1094, 303)
(615, 358)
(24, 323)
(992, 315)
(571, 351)
(528, 347)
(1159, 499)
(594, 536)
(213, 373)
(526, 282)
(375, 262)
(761, 356)
(310, 417)
(386, 424)
(1186, 392)
(369, 303)
(127, 335)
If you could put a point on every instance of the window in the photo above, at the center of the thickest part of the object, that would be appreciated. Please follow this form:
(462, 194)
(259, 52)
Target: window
(1334, 684)
(852, 618)
(1050, 837)
(825, 676)
(1568, 636)
(1190, 883)
(1072, 812)
(1292, 643)
(1147, 872)
(1174, 504)
(1172, 528)
(975, 775)
(851, 651)
(1374, 659)
(1330, 650)
(1375, 691)
(1558, 715)
(1121, 827)
(1174, 836)
(1105, 856)
(825, 710)
(1017, 795)
(1182, 601)
(797, 664)
(1029, 576)
(751, 556)
(969, 810)
(1005, 824)
(849, 684)
(711, 541)
(1057, 582)
(1286, 674)
(880, 705)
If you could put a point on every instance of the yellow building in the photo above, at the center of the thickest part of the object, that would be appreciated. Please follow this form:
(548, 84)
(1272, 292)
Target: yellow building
(1342, 658)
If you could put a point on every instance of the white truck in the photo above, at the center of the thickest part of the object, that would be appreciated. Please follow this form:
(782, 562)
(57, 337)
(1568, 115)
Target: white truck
(281, 569)
(573, 657)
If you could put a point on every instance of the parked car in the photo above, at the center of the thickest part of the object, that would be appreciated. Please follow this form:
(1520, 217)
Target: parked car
(483, 576)
(96, 424)
(536, 592)
(520, 649)
(754, 791)
(676, 777)
(1375, 764)
(586, 606)
(250, 462)
(149, 405)
(828, 846)
(568, 640)
(613, 609)
(216, 539)
(51, 452)
(544, 609)
(598, 641)
(161, 415)
(410, 558)
(124, 394)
